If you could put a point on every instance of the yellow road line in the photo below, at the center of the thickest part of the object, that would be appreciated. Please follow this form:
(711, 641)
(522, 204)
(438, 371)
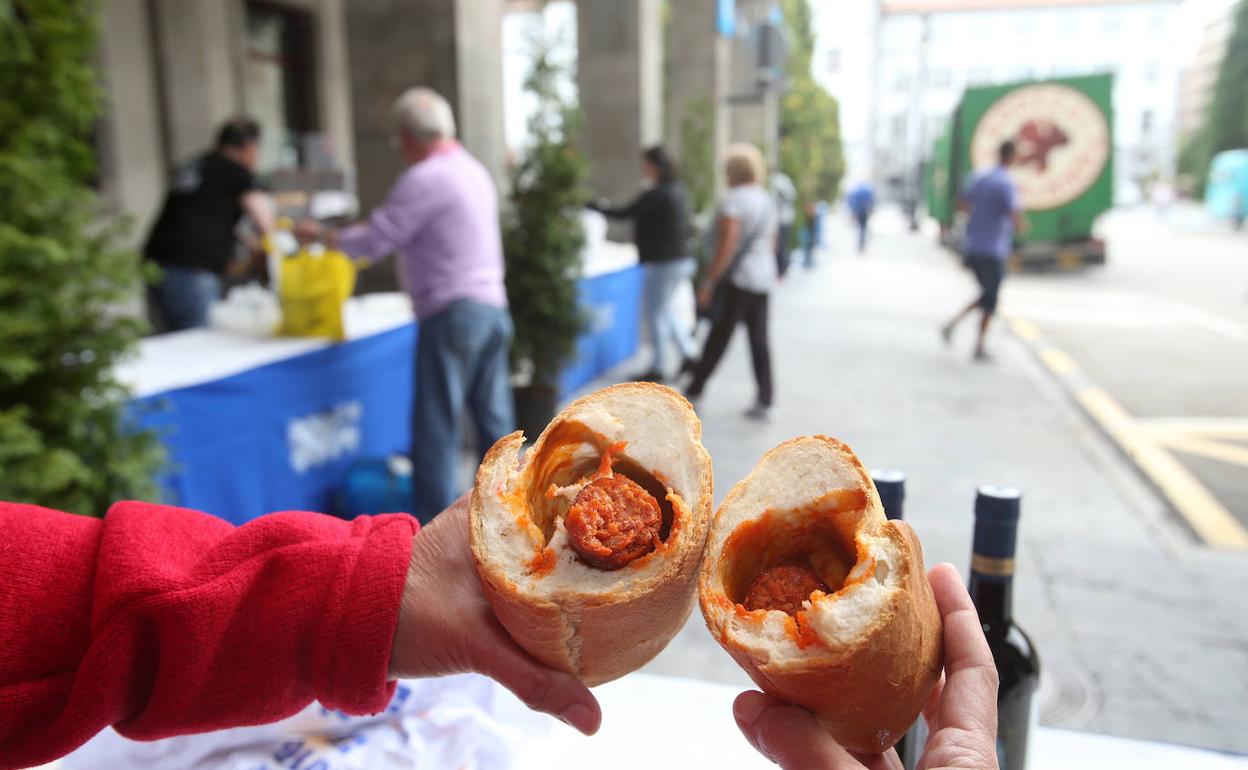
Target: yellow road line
(1215, 450)
(1211, 427)
(1058, 362)
(1024, 329)
(1206, 515)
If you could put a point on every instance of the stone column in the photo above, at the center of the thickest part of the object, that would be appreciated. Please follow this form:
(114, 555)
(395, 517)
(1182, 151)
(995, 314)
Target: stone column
(199, 76)
(452, 46)
(699, 62)
(755, 113)
(620, 79)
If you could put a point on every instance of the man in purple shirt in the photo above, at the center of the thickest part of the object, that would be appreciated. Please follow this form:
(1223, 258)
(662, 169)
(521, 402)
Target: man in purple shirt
(441, 217)
(995, 213)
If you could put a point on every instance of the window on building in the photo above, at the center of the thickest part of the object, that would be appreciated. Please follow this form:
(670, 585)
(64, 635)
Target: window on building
(1146, 121)
(1152, 70)
(1068, 23)
(901, 80)
(939, 77)
(280, 80)
(976, 76)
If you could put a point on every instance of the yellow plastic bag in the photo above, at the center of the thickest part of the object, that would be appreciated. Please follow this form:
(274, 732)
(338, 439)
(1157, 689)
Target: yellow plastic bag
(312, 289)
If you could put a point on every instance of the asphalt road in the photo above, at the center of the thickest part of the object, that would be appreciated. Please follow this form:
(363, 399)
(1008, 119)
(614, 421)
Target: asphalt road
(1159, 337)
(1140, 626)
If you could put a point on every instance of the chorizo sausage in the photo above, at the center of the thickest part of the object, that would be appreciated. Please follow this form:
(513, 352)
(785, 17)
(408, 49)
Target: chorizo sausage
(783, 588)
(612, 522)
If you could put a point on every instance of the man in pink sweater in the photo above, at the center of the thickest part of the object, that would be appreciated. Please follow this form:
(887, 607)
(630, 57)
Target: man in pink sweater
(441, 217)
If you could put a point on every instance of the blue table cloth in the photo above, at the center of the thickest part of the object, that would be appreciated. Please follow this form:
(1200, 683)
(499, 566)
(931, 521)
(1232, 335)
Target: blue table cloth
(281, 436)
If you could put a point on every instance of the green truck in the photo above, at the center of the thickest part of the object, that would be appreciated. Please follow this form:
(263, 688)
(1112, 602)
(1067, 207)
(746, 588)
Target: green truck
(1063, 131)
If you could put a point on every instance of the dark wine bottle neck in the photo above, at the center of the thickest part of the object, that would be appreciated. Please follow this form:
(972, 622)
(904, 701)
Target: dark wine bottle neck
(993, 596)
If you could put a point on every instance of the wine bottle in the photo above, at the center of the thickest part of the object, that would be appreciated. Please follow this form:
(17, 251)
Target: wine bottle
(992, 590)
(891, 485)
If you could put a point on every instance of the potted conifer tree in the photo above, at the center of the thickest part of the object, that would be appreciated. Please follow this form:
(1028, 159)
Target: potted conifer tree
(542, 241)
(64, 438)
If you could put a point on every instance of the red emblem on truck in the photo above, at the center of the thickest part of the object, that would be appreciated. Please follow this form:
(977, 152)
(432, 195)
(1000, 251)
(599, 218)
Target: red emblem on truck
(1035, 140)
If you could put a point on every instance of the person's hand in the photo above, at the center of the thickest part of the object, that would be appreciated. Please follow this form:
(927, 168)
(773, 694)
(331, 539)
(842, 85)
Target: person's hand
(446, 627)
(307, 230)
(961, 712)
(706, 295)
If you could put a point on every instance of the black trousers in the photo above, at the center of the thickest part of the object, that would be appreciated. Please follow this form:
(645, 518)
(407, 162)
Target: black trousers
(739, 305)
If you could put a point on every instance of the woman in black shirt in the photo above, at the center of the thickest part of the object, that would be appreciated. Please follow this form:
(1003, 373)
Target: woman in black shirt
(660, 217)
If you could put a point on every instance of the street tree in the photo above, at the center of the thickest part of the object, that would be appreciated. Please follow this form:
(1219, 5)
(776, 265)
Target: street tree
(810, 131)
(65, 441)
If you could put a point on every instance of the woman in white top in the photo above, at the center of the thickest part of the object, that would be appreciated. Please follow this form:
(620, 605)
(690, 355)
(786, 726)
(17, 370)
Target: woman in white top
(742, 273)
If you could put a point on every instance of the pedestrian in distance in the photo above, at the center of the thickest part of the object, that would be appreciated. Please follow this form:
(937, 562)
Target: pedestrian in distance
(441, 216)
(861, 202)
(742, 273)
(813, 226)
(996, 213)
(163, 621)
(660, 216)
(194, 238)
(786, 208)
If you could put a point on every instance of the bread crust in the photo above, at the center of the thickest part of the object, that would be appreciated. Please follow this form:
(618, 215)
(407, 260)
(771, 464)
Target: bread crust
(596, 625)
(866, 675)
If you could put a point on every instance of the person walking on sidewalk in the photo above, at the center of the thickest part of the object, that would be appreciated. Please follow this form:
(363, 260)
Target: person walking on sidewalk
(743, 271)
(861, 201)
(996, 212)
(786, 208)
(661, 231)
(442, 218)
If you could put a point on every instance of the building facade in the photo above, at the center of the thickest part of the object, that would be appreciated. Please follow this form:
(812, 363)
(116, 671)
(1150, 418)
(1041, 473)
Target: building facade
(174, 70)
(928, 52)
(1198, 78)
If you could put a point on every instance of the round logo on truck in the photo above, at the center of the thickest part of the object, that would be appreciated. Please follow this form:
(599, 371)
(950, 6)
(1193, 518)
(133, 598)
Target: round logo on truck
(1061, 138)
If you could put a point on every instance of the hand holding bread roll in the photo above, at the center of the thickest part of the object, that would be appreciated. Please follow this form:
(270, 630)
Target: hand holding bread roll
(588, 548)
(819, 598)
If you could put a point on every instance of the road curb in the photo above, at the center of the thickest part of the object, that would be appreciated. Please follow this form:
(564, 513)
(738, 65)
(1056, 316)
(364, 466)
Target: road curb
(1212, 523)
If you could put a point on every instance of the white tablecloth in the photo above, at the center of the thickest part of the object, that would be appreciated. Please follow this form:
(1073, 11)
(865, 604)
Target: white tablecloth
(183, 359)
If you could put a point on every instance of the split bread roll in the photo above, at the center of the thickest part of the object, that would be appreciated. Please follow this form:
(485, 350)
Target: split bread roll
(588, 548)
(820, 599)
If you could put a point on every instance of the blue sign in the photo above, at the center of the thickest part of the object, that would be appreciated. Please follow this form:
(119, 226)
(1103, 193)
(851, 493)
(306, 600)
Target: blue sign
(726, 17)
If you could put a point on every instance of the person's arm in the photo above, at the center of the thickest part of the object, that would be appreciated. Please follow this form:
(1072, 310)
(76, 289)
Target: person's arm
(1017, 214)
(627, 211)
(728, 234)
(961, 712)
(392, 224)
(258, 207)
(161, 621)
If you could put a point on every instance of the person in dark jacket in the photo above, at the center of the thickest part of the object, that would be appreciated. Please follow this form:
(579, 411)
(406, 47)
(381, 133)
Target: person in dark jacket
(194, 239)
(660, 217)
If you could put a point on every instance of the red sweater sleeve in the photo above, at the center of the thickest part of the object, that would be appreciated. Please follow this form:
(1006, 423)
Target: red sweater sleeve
(162, 621)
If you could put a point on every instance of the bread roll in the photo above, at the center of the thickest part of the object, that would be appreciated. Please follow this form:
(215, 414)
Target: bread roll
(864, 649)
(588, 548)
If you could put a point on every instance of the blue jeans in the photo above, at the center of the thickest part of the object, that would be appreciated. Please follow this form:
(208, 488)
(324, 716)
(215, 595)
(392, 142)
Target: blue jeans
(184, 295)
(461, 359)
(661, 281)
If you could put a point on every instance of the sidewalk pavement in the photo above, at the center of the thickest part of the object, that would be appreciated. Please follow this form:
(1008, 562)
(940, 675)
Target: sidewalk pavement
(1141, 632)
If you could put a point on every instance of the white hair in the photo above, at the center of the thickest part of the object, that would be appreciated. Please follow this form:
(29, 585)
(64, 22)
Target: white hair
(422, 113)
